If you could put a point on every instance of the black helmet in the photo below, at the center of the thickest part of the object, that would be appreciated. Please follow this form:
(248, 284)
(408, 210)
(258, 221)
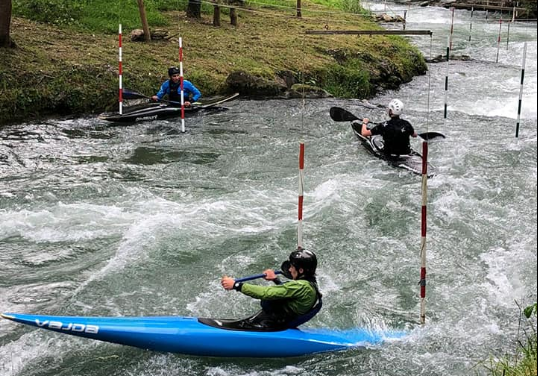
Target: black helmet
(301, 259)
(173, 70)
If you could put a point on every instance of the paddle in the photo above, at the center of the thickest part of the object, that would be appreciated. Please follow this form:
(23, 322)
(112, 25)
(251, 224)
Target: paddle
(252, 277)
(129, 94)
(339, 114)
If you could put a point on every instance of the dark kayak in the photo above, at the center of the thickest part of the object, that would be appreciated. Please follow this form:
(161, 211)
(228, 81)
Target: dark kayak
(207, 337)
(158, 111)
(374, 144)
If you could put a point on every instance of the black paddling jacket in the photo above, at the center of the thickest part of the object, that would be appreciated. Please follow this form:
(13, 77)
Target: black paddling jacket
(396, 133)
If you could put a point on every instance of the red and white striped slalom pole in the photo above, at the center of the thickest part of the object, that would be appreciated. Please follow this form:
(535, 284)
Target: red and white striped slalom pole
(120, 75)
(423, 233)
(301, 198)
(499, 39)
(181, 85)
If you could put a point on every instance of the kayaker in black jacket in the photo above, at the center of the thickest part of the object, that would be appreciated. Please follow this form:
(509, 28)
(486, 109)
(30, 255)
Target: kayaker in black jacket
(285, 305)
(395, 132)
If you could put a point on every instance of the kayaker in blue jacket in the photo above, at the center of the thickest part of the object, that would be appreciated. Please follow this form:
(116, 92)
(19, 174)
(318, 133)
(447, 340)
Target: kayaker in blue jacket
(173, 90)
(285, 305)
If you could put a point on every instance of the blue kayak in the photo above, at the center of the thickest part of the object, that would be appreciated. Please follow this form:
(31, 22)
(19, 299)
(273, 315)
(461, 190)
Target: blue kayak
(206, 337)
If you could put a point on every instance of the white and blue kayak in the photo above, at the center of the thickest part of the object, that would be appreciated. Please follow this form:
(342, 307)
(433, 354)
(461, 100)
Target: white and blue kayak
(206, 337)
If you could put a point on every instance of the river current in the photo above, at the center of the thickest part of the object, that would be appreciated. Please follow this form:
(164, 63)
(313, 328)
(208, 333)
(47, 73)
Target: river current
(143, 220)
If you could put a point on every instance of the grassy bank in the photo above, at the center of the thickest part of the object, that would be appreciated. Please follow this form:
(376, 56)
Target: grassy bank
(71, 68)
(523, 361)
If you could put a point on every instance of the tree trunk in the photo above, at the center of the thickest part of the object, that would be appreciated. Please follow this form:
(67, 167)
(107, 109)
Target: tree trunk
(299, 9)
(233, 16)
(216, 15)
(194, 9)
(5, 24)
(144, 19)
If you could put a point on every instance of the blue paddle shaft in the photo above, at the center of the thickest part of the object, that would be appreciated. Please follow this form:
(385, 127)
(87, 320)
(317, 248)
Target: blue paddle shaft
(252, 277)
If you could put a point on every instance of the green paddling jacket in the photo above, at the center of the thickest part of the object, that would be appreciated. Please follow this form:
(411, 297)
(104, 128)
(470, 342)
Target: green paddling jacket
(297, 296)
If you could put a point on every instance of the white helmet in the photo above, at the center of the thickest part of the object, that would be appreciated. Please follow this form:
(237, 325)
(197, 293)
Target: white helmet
(396, 106)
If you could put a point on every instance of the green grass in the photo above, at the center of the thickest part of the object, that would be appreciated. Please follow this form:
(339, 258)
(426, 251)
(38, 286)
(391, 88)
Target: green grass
(105, 15)
(73, 59)
(524, 360)
(92, 15)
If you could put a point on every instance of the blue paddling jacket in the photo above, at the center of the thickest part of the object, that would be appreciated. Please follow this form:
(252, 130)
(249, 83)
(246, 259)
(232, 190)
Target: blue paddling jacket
(191, 93)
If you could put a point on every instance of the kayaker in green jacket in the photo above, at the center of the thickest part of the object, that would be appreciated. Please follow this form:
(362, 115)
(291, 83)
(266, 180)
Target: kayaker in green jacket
(285, 305)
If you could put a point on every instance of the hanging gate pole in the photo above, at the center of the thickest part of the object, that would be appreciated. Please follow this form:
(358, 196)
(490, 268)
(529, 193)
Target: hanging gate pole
(120, 70)
(301, 196)
(423, 233)
(181, 85)
(520, 102)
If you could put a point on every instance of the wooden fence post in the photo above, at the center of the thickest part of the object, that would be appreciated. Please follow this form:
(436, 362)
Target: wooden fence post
(216, 15)
(233, 16)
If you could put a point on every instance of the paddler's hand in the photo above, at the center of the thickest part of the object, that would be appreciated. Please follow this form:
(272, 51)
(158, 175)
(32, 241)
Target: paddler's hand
(227, 282)
(187, 104)
(364, 129)
(155, 98)
(270, 275)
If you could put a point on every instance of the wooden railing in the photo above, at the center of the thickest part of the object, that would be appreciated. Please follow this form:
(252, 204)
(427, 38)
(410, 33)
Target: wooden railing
(504, 5)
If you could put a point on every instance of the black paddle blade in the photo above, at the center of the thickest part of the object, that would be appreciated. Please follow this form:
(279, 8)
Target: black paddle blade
(431, 135)
(339, 114)
(129, 94)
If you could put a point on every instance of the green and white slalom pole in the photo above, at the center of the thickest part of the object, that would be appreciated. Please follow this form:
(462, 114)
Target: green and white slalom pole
(520, 102)
(446, 77)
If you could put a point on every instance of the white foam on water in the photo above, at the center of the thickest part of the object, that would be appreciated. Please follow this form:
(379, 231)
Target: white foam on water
(18, 356)
(64, 222)
(506, 282)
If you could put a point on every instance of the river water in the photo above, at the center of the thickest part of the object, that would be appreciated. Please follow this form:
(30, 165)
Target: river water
(143, 220)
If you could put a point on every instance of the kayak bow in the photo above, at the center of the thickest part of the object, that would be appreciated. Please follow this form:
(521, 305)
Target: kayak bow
(190, 336)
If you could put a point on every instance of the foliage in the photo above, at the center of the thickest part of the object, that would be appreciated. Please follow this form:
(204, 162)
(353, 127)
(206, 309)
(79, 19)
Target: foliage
(524, 362)
(92, 15)
(353, 6)
(57, 12)
(349, 80)
(530, 310)
(530, 5)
